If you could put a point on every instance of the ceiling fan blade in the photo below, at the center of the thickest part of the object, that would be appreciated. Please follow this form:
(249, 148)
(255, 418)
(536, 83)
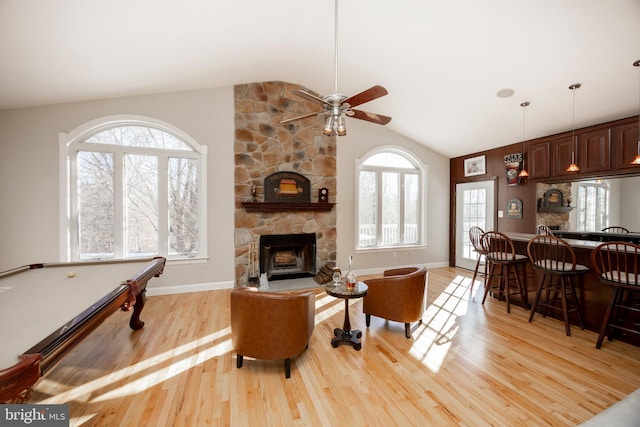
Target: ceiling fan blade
(370, 117)
(304, 116)
(310, 97)
(370, 94)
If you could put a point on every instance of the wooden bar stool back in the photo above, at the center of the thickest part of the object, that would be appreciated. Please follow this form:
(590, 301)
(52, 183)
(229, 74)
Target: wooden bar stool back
(475, 237)
(556, 259)
(616, 230)
(543, 230)
(617, 265)
(503, 264)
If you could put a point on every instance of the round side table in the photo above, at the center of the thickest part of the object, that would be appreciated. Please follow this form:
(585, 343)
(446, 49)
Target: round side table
(346, 335)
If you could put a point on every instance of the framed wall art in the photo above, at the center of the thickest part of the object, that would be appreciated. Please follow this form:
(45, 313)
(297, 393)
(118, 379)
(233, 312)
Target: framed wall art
(475, 166)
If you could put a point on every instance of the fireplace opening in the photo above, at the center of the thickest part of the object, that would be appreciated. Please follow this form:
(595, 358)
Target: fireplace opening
(288, 256)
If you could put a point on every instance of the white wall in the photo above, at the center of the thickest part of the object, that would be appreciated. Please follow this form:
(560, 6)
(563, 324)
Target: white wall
(361, 138)
(29, 177)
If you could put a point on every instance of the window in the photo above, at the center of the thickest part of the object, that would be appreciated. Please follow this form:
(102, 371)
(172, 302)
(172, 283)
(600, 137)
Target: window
(474, 212)
(592, 206)
(390, 184)
(136, 188)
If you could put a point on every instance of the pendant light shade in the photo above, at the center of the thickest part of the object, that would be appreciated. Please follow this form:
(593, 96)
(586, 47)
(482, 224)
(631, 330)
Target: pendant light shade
(573, 167)
(636, 161)
(523, 173)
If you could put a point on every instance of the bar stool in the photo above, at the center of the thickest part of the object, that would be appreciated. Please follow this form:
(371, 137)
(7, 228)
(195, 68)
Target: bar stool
(555, 258)
(617, 265)
(475, 237)
(543, 230)
(500, 252)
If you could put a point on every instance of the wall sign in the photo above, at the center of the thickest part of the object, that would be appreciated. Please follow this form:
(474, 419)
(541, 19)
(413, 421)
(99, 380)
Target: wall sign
(514, 208)
(512, 163)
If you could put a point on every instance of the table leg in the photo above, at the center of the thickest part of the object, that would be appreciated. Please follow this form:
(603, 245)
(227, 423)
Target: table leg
(346, 335)
(135, 323)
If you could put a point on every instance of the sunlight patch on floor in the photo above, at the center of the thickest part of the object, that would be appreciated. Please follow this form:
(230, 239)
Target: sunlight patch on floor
(433, 338)
(86, 390)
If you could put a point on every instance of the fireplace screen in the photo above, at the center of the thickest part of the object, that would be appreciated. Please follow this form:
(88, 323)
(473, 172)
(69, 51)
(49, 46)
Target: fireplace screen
(288, 256)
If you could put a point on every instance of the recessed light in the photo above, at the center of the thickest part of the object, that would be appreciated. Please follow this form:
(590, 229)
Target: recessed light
(505, 93)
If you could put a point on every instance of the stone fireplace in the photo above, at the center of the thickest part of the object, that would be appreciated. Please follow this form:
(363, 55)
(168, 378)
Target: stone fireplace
(263, 147)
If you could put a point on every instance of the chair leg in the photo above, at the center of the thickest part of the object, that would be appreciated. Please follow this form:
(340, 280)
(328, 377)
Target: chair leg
(239, 361)
(576, 301)
(407, 330)
(563, 299)
(607, 316)
(287, 367)
(536, 298)
(487, 283)
(521, 283)
(475, 274)
(367, 319)
(507, 289)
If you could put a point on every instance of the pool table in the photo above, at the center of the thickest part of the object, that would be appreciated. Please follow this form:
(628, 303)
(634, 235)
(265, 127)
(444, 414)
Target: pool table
(47, 309)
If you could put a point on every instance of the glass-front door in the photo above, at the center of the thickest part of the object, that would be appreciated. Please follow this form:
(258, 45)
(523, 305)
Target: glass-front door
(475, 206)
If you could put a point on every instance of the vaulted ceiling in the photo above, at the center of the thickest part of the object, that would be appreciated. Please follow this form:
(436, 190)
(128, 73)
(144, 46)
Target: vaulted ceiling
(443, 62)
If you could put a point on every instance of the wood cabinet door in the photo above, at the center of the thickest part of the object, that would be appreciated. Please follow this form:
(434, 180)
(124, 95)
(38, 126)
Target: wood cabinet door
(594, 151)
(538, 161)
(624, 143)
(561, 155)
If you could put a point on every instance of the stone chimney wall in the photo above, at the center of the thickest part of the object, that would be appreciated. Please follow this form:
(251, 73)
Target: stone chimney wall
(264, 146)
(554, 219)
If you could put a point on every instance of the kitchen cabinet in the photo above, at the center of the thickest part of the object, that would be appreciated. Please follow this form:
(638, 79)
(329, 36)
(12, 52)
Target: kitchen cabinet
(624, 143)
(594, 151)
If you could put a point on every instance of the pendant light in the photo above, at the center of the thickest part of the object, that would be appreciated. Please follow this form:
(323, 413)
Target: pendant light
(573, 167)
(636, 161)
(523, 173)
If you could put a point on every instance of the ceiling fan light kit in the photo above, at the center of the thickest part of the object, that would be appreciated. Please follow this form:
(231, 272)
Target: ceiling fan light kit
(337, 106)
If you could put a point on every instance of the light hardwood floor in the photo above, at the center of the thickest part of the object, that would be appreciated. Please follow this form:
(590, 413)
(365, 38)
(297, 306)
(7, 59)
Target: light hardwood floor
(467, 365)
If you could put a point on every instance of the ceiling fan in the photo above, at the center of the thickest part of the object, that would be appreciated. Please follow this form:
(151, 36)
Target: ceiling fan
(336, 106)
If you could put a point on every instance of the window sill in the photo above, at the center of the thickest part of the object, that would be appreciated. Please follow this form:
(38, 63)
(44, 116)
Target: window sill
(378, 249)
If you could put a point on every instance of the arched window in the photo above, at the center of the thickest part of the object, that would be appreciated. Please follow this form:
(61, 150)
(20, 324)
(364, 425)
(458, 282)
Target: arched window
(133, 187)
(390, 200)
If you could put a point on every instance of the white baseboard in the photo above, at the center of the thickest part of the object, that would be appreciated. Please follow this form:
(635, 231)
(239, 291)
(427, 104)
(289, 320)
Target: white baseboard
(202, 287)
(380, 270)
(182, 289)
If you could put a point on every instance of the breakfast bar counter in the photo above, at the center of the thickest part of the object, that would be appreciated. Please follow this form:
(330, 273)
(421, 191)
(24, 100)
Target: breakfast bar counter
(594, 296)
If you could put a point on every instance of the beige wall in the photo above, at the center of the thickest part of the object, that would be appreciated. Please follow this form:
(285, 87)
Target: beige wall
(29, 180)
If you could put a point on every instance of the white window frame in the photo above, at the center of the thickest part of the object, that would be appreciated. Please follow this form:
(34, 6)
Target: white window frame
(422, 203)
(582, 213)
(68, 147)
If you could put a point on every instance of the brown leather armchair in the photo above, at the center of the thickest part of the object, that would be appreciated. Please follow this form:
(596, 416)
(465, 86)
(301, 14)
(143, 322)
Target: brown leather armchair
(271, 325)
(399, 296)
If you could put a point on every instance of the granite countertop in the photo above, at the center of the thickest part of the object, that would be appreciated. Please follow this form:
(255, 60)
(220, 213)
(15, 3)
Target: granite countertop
(525, 237)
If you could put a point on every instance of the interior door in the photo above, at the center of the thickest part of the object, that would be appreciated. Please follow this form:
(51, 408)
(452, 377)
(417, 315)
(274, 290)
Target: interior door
(475, 206)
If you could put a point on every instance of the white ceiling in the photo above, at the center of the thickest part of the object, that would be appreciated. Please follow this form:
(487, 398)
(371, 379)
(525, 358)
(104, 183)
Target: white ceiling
(441, 61)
